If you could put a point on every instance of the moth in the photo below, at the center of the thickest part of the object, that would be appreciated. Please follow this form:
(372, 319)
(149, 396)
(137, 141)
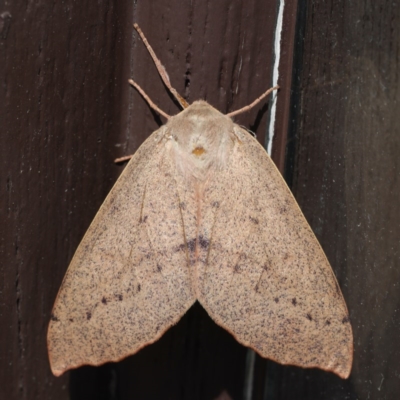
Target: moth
(200, 213)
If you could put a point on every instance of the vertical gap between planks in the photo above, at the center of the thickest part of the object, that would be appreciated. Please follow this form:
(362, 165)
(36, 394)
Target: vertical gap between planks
(249, 375)
(250, 357)
(275, 75)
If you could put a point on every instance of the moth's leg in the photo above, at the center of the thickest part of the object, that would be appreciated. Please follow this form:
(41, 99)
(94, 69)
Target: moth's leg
(122, 159)
(256, 101)
(161, 69)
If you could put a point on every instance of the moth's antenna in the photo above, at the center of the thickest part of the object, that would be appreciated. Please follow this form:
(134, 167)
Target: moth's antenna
(147, 98)
(161, 69)
(256, 101)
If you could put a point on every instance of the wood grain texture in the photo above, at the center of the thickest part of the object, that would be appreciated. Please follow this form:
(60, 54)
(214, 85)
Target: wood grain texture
(57, 116)
(346, 179)
(67, 64)
(67, 114)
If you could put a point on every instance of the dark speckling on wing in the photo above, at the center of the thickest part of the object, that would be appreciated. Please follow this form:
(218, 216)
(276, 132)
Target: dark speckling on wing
(201, 212)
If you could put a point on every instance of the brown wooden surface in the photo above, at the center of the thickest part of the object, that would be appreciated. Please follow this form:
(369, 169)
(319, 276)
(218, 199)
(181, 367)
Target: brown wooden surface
(67, 112)
(347, 181)
(60, 107)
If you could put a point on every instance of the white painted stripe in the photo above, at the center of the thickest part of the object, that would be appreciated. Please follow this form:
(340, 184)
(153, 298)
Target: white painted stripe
(275, 74)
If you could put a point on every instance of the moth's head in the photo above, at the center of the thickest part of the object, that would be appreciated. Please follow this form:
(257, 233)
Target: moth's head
(200, 108)
(201, 132)
(200, 120)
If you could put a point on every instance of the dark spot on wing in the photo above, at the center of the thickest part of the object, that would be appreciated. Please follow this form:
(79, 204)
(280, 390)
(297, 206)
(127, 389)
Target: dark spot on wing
(159, 268)
(191, 245)
(294, 301)
(309, 317)
(345, 320)
(88, 315)
(143, 219)
(181, 247)
(276, 300)
(265, 267)
(204, 243)
(138, 287)
(119, 297)
(215, 204)
(236, 268)
(71, 320)
(104, 300)
(254, 220)
(54, 318)
(327, 322)
(114, 209)
(182, 206)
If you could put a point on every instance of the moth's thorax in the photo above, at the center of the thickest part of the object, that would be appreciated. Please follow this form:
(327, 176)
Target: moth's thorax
(201, 139)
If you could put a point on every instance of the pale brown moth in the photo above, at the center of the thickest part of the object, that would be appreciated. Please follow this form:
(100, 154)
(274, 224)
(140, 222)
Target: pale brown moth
(200, 213)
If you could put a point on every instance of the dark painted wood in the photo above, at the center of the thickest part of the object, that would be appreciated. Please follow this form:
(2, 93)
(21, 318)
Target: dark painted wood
(61, 86)
(286, 71)
(66, 113)
(347, 181)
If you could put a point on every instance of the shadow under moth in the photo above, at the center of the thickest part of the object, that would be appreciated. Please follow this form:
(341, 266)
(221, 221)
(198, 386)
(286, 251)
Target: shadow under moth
(200, 213)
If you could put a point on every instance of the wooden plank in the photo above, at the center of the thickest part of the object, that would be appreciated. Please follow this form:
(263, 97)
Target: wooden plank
(346, 179)
(60, 90)
(68, 112)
